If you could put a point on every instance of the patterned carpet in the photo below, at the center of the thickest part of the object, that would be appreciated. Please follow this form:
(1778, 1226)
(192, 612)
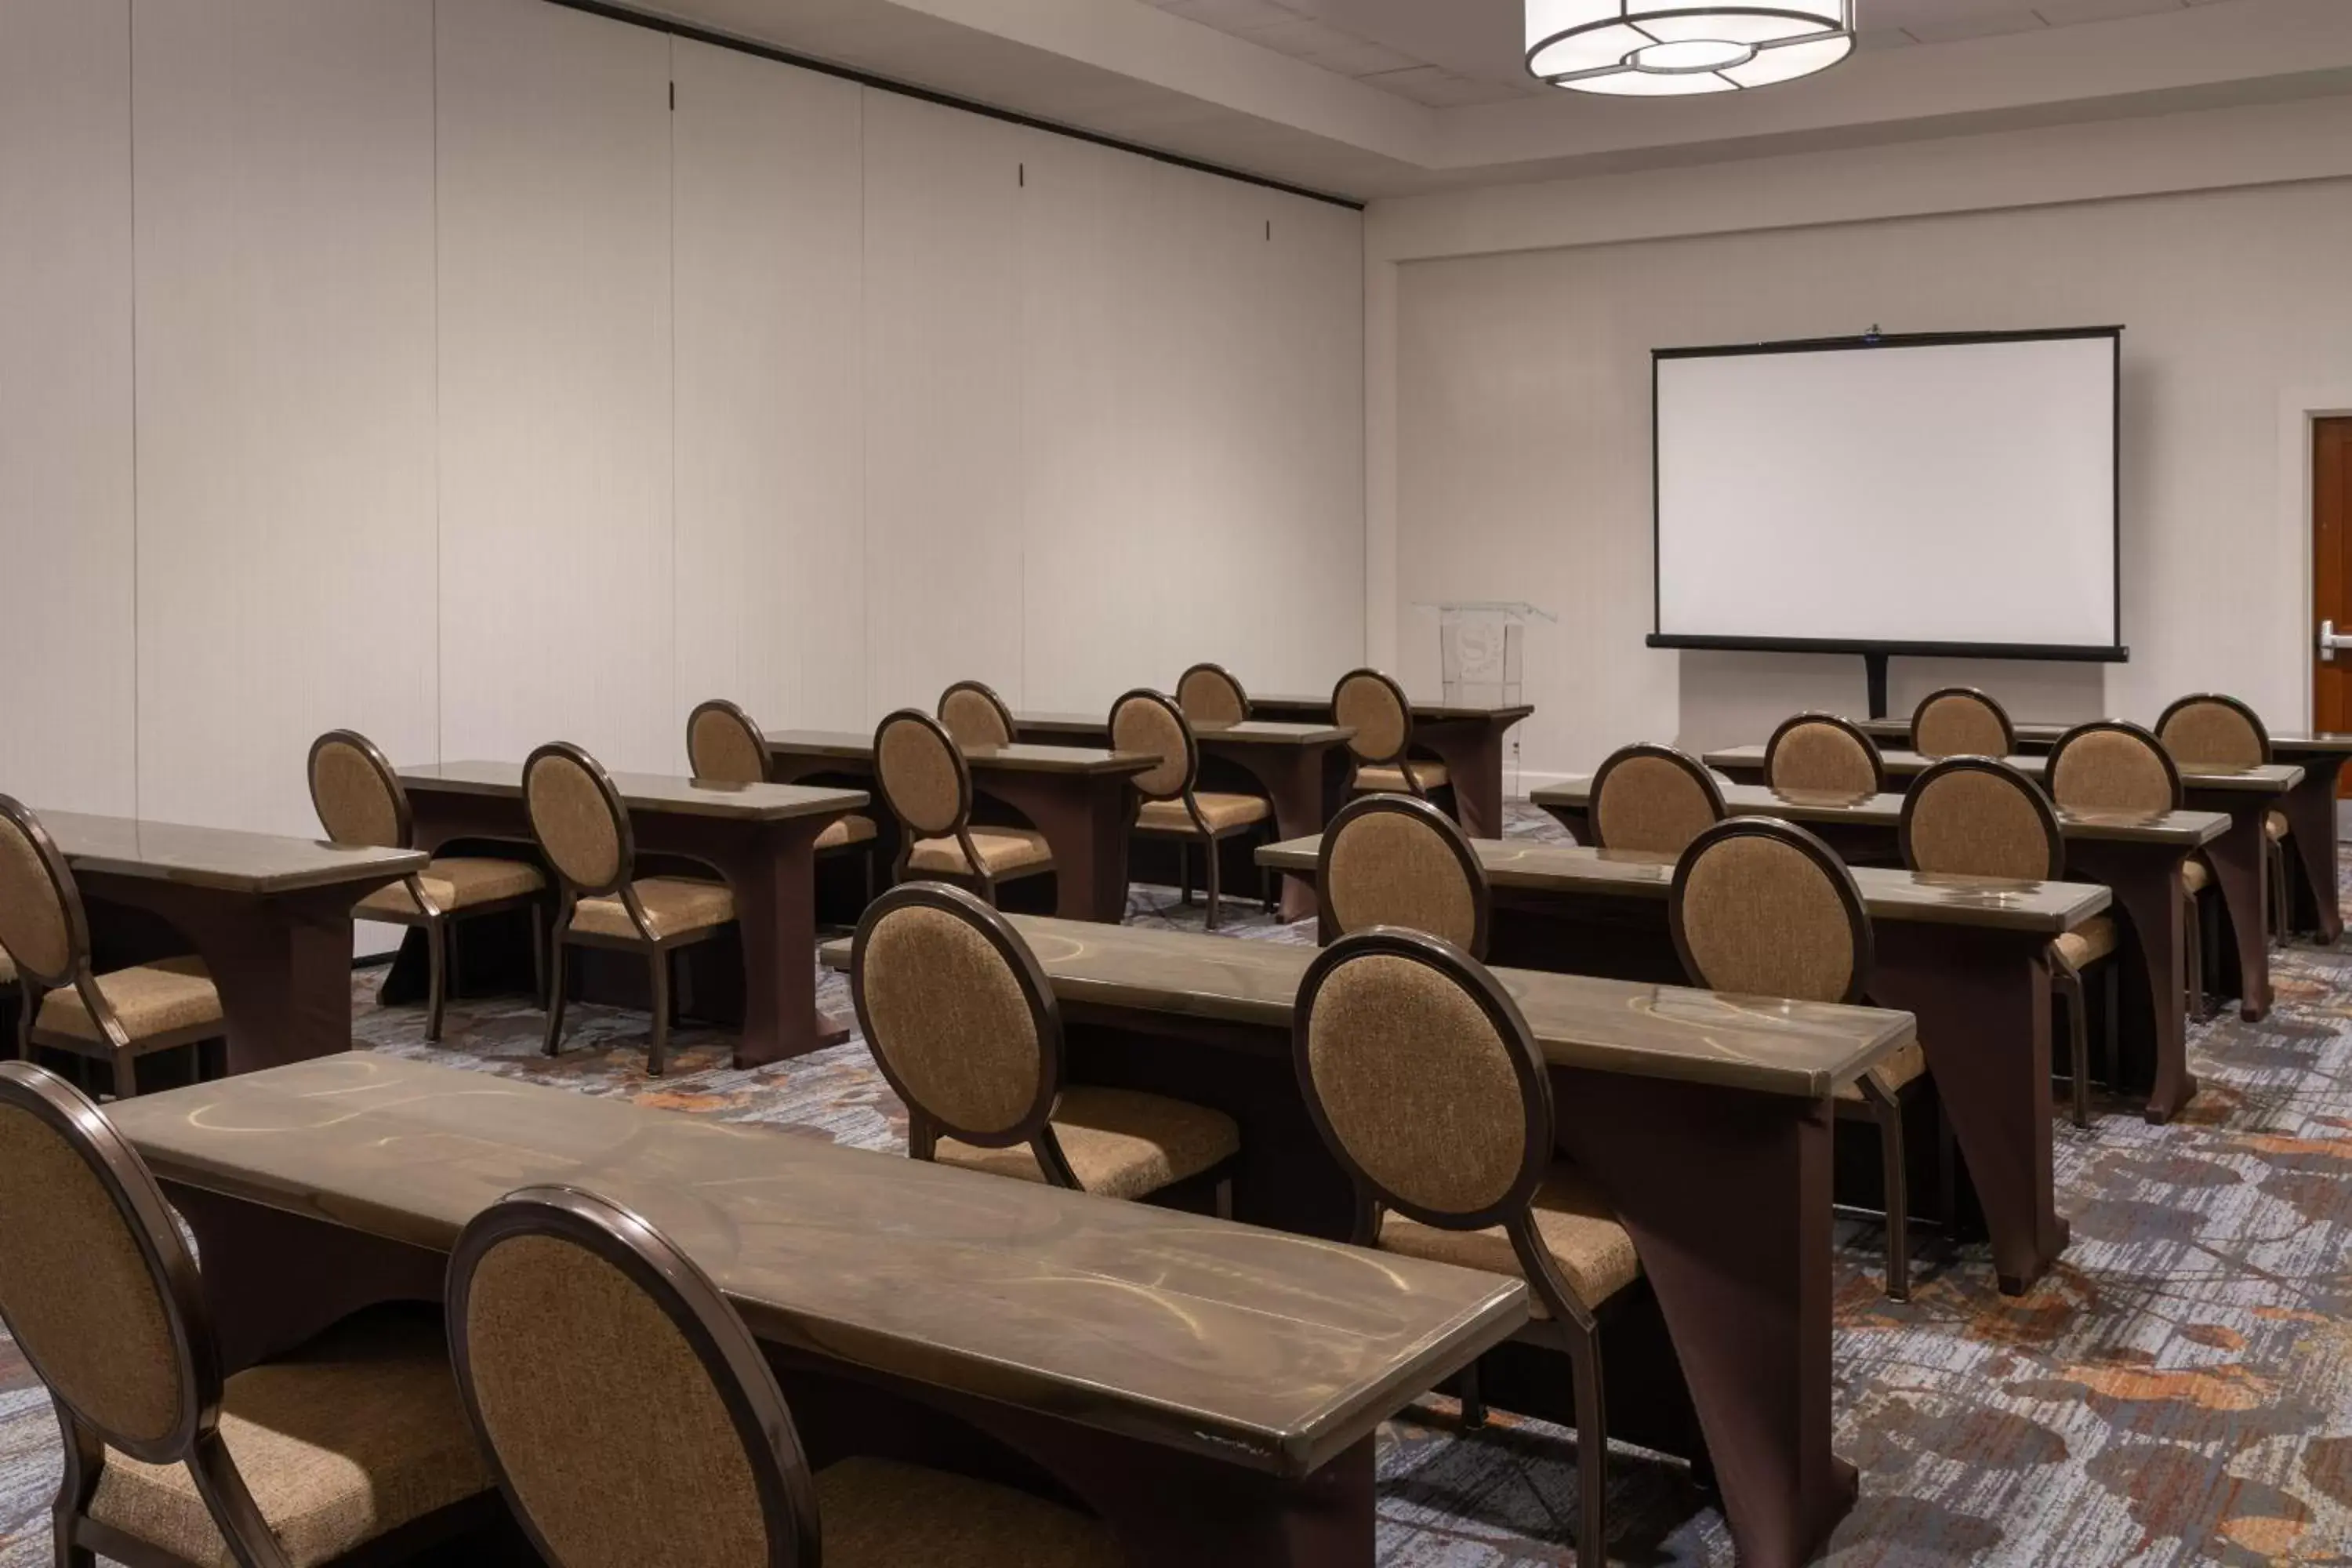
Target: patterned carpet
(2179, 1391)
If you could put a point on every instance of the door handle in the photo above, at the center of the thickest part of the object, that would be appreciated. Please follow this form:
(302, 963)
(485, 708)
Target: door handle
(2330, 640)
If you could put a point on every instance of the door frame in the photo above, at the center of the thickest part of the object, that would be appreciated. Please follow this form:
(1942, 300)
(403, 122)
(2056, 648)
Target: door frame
(2300, 412)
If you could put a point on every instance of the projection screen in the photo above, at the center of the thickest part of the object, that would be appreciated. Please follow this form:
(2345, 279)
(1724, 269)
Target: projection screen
(1924, 494)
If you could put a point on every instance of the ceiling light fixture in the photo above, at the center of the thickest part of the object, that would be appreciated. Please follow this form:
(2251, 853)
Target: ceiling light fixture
(1651, 48)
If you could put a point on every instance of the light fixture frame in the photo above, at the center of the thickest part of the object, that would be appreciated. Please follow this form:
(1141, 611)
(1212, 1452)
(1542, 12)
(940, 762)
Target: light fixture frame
(1569, 79)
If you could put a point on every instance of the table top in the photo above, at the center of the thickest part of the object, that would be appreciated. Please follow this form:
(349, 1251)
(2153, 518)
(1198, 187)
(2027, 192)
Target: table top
(1297, 702)
(1247, 732)
(1890, 895)
(2187, 829)
(1767, 1044)
(2268, 779)
(220, 858)
(2317, 743)
(651, 792)
(849, 745)
(1255, 1347)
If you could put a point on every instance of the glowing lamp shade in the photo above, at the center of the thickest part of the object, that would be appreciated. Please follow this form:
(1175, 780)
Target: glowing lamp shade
(1659, 49)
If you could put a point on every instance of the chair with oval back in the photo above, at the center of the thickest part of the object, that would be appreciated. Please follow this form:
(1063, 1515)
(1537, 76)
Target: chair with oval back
(2109, 764)
(115, 1018)
(351, 1448)
(1392, 860)
(1173, 805)
(1209, 694)
(359, 800)
(1979, 816)
(975, 715)
(2211, 731)
(927, 783)
(1760, 907)
(963, 1023)
(723, 746)
(1962, 721)
(1822, 753)
(1653, 798)
(583, 830)
(1376, 708)
(1423, 1079)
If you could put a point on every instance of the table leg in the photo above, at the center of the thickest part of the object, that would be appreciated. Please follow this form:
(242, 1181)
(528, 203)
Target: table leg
(1577, 819)
(2145, 882)
(2241, 863)
(1085, 818)
(2310, 808)
(1298, 781)
(774, 883)
(1472, 750)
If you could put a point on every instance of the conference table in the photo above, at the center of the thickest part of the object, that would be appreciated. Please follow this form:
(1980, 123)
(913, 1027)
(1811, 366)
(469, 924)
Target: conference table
(1467, 737)
(270, 916)
(1705, 1118)
(1968, 956)
(2137, 857)
(760, 838)
(1212, 1390)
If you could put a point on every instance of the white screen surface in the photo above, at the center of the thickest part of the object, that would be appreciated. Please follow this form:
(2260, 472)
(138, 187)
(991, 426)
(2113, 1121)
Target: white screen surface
(1953, 493)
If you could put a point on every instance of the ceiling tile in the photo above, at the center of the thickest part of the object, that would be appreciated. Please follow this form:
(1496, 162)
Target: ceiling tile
(1305, 39)
(2066, 13)
(1982, 23)
(1441, 88)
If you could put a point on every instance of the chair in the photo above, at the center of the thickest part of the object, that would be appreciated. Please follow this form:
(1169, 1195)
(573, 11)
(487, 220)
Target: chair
(360, 800)
(1824, 754)
(114, 1018)
(1653, 798)
(964, 1025)
(1210, 695)
(723, 746)
(1392, 860)
(975, 715)
(584, 831)
(1760, 907)
(631, 1418)
(352, 1449)
(2110, 765)
(1979, 816)
(1962, 721)
(926, 785)
(1421, 1077)
(1374, 706)
(2210, 730)
(1173, 806)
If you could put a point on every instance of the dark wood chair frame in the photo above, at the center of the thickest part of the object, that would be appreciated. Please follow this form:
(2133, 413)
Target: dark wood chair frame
(1572, 1328)
(1465, 856)
(1003, 711)
(1641, 749)
(2281, 911)
(2064, 979)
(196, 1442)
(1200, 833)
(114, 1047)
(735, 715)
(909, 830)
(1399, 759)
(1206, 667)
(2198, 962)
(712, 1330)
(657, 951)
(441, 949)
(2008, 729)
(1869, 746)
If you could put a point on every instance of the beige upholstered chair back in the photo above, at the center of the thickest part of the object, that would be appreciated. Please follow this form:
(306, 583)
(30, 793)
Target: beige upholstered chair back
(723, 746)
(1373, 706)
(924, 778)
(41, 921)
(1979, 816)
(1210, 695)
(1760, 907)
(1821, 751)
(957, 1013)
(1391, 860)
(2209, 731)
(1962, 721)
(1654, 798)
(357, 796)
(1147, 721)
(2109, 765)
(629, 1414)
(975, 715)
(96, 1285)
(577, 819)
(1421, 1075)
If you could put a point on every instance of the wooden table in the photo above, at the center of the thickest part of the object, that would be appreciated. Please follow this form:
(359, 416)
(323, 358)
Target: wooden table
(2136, 857)
(1301, 769)
(1968, 956)
(1467, 737)
(1077, 796)
(1705, 1118)
(1212, 1390)
(760, 838)
(271, 916)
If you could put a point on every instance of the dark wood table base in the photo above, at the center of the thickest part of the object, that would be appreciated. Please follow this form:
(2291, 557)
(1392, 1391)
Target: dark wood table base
(2310, 808)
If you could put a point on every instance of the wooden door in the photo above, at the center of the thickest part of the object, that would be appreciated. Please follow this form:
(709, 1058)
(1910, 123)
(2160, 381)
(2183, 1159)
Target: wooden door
(2331, 577)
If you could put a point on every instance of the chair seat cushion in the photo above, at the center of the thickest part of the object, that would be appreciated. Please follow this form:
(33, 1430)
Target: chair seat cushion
(1119, 1144)
(1220, 811)
(352, 1436)
(879, 1514)
(1002, 850)
(1908, 1063)
(1390, 781)
(674, 906)
(845, 831)
(2274, 824)
(150, 998)
(460, 882)
(2086, 944)
(1573, 1220)
(2194, 875)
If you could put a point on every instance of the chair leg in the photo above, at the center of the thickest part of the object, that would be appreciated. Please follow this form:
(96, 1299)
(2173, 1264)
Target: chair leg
(538, 953)
(1184, 870)
(1224, 1197)
(1474, 1402)
(657, 1054)
(869, 877)
(437, 983)
(1216, 873)
(126, 1075)
(1886, 1109)
(1591, 1449)
(2078, 1041)
(555, 987)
